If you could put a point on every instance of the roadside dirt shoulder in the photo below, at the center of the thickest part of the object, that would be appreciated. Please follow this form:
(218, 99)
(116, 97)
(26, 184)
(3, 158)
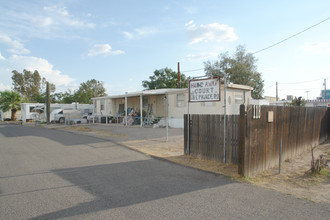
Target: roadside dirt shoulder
(295, 178)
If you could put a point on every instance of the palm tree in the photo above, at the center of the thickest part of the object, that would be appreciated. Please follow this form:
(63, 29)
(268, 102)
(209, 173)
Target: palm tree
(10, 100)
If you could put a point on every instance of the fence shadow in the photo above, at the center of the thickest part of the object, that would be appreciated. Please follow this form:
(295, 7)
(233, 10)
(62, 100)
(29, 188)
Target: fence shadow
(129, 183)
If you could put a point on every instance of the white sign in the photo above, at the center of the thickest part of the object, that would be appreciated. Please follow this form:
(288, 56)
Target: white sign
(204, 90)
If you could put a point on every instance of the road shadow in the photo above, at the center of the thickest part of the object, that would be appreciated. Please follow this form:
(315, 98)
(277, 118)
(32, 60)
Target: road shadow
(62, 137)
(129, 183)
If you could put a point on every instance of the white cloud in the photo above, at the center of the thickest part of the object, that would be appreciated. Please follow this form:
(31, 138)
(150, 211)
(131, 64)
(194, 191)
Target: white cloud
(128, 35)
(191, 10)
(55, 9)
(318, 47)
(45, 69)
(199, 57)
(61, 16)
(16, 46)
(1, 57)
(145, 31)
(210, 32)
(44, 22)
(103, 49)
(140, 32)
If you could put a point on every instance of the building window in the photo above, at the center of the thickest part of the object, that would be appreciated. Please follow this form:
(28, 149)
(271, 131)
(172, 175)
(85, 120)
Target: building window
(180, 100)
(207, 104)
(102, 104)
(239, 99)
(145, 101)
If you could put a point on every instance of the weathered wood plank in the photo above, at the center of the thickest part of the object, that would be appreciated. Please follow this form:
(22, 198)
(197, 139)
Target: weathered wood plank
(298, 127)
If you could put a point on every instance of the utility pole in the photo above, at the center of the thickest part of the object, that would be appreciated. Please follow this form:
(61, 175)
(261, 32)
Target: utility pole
(179, 77)
(224, 118)
(307, 94)
(325, 89)
(276, 91)
(48, 102)
(167, 118)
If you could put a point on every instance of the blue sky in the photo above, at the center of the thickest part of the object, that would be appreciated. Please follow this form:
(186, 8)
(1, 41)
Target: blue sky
(122, 42)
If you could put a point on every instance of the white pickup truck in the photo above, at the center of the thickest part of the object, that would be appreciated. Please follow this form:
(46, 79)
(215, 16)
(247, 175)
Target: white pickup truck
(59, 116)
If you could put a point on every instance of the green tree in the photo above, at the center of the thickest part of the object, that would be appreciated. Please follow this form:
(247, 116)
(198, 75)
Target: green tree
(31, 85)
(66, 97)
(298, 101)
(89, 89)
(241, 68)
(10, 100)
(164, 78)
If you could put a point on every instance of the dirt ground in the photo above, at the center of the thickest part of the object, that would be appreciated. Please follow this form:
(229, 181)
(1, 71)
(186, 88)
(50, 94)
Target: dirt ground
(294, 178)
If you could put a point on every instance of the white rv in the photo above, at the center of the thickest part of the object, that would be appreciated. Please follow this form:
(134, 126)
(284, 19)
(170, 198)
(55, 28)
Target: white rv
(33, 111)
(2, 116)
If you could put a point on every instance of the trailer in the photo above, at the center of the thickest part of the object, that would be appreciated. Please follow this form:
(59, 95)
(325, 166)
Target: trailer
(2, 115)
(33, 112)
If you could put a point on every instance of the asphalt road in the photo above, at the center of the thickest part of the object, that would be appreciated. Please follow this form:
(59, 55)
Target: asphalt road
(53, 174)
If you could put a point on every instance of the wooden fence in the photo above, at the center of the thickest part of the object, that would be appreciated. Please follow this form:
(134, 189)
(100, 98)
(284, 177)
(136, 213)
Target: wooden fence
(206, 137)
(254, 144)
(299, 128)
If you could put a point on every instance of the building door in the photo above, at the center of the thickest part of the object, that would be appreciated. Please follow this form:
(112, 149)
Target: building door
(121, 108)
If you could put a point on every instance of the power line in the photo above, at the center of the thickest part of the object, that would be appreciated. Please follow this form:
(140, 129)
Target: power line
(288, 38)
(304, 89)
(270, 86)
(292, 36)
(302, 81)
(192, 70)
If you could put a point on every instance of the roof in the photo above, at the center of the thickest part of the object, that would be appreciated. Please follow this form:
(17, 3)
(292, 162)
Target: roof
(238, 86)
(166, 91)
(144, 93)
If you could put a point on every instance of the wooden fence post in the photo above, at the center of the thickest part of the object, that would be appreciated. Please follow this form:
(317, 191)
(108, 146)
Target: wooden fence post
(241, 149)
(328, 123)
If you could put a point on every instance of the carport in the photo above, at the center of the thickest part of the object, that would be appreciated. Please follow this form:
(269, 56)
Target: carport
(147, 104)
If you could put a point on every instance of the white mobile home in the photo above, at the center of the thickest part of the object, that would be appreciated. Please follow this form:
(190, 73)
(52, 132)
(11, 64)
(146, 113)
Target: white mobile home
(155, 101)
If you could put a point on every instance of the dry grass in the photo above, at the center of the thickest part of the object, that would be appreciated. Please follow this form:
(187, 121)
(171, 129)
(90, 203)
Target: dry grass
(104, 133)
(78, 128)
(293, 180)
(296, 178)
(109, 133)
(229, 170)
